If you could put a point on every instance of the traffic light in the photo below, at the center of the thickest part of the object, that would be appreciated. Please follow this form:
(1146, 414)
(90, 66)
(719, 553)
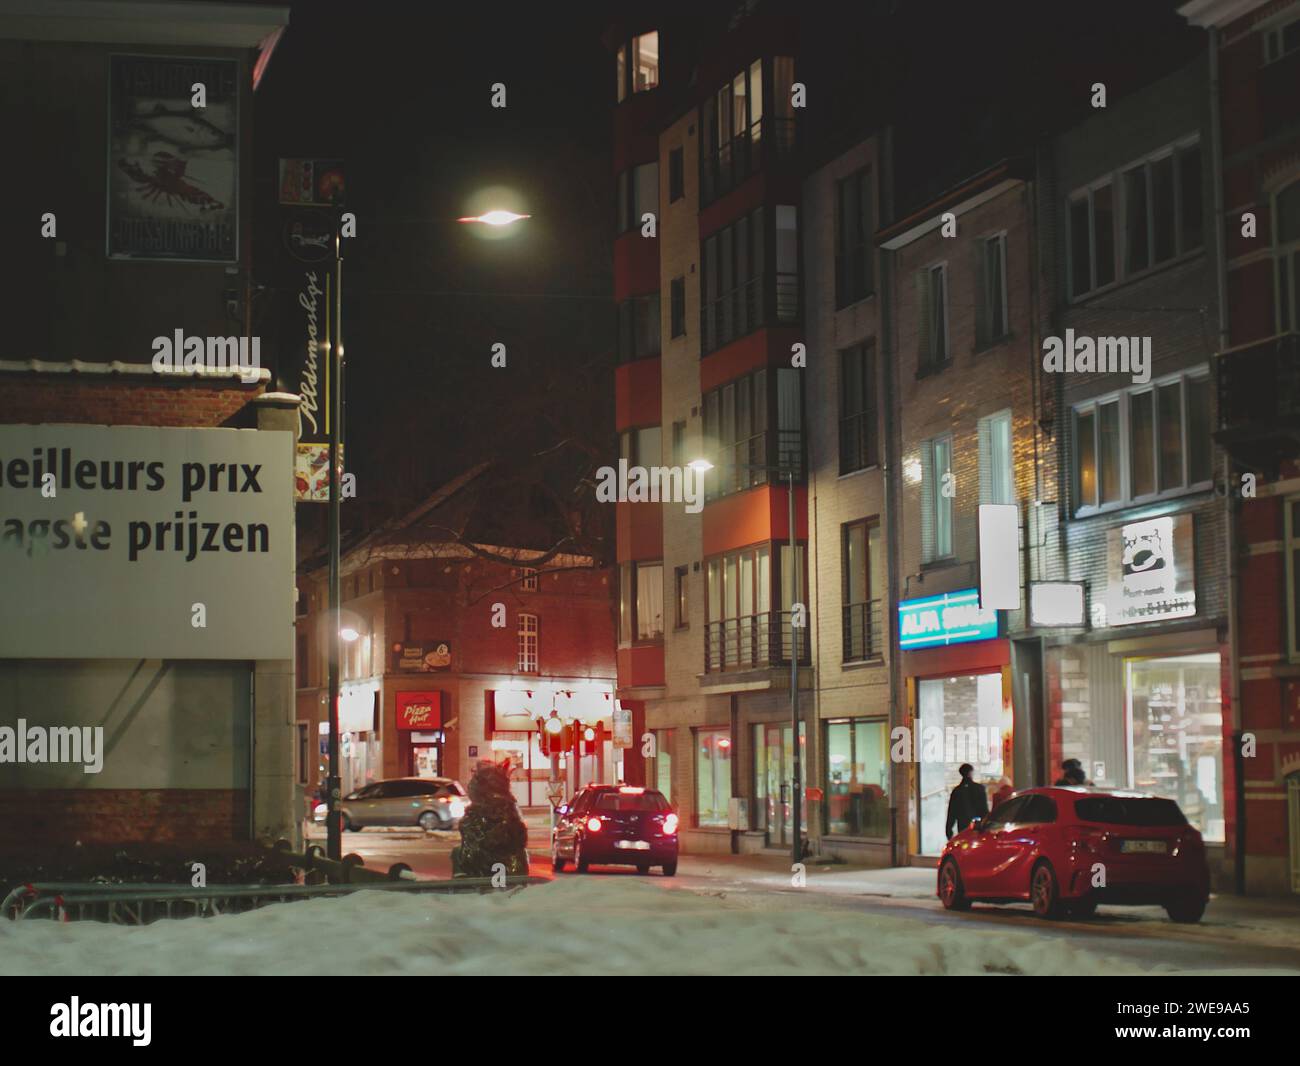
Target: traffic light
(592, 737)
(551, 735)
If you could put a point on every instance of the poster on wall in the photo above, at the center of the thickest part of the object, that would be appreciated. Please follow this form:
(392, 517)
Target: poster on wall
(1151, 574)
(173, 168)
(422, 658)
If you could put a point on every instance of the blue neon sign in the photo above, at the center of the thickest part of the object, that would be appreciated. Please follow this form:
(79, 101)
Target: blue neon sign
(936, 621)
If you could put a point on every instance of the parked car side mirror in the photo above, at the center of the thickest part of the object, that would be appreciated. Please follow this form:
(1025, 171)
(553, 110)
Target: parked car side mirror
(563, 808)
(977, 824)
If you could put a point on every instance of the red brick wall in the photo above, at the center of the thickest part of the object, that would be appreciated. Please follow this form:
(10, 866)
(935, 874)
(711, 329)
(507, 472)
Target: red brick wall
(114, 815)
(123, 401)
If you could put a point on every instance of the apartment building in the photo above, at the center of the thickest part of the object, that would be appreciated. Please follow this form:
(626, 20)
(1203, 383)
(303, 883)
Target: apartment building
(1253, 67)
(971, 429)
(849, 597)
(1136, 688)
(708, 317)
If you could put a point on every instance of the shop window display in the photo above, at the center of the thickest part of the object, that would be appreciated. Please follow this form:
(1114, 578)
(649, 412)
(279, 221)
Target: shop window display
(1176, 733)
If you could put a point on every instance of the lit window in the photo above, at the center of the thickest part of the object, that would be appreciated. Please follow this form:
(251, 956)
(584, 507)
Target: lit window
(936, 504)
(1144, 443)
(997, 475)
(528, 644)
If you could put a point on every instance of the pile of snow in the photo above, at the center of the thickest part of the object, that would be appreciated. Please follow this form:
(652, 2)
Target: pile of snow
(574, 925)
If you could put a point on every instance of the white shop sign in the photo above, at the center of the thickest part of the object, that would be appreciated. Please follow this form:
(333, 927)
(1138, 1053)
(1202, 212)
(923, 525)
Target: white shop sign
(142, 542)
(1151, 572)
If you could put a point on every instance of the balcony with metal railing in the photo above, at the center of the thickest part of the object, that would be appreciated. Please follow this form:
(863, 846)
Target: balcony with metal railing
(1259, 401)
(863, 631)
(752, 642)
(750, 462)
(767, 141)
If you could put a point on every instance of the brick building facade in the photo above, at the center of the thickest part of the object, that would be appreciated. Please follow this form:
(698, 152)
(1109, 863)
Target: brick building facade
(483, 646)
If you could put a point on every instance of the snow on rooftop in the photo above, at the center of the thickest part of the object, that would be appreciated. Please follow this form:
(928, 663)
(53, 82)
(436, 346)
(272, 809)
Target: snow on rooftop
(574, 925)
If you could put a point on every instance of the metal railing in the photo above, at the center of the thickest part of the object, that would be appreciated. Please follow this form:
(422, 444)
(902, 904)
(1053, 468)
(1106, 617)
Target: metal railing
(765, 141)
(752, 641)
(1259, 384)
(863, 635)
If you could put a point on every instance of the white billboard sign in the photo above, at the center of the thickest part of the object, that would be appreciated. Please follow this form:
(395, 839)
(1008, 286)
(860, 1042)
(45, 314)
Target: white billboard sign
(143, 542)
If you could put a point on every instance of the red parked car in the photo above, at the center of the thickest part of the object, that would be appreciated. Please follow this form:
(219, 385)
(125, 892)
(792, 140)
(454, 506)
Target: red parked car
(616, 825)
(1067, 849)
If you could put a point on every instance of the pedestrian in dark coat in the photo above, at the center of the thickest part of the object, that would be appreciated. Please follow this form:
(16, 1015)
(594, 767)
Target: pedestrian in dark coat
(1071, 773)
(967, 802)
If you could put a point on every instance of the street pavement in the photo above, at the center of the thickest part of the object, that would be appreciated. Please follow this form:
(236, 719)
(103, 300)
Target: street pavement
(1236, 932)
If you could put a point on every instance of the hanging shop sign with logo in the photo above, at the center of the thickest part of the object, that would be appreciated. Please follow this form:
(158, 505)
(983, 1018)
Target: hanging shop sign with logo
(173, 169)
(937, 621)
(622, 726)
(1151, 571)
(419, 711)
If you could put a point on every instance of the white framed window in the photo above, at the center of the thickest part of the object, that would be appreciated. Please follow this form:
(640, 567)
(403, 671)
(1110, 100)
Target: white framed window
(529, 582)
(936, 505)
(1144, 443)
(528, 644)
(1286, 255)
(991, 290)
(932, 318)
(997, 473)
(1092, 238)
(1291, 527)
(1148, 212)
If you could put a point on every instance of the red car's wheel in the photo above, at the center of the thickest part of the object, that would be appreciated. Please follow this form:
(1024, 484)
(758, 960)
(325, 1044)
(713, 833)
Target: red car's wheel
(579, 860)
(1186, 910)
(952, 893)
(1043, 891)
(557, 863)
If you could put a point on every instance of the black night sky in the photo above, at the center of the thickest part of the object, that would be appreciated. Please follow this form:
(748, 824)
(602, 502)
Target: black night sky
(402, 93)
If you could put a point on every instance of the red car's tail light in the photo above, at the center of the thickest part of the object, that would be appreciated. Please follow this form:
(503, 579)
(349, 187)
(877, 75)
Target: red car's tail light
(670, 824)
(593, 824)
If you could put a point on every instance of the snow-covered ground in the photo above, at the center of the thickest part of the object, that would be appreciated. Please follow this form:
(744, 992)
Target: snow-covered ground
(571, 926)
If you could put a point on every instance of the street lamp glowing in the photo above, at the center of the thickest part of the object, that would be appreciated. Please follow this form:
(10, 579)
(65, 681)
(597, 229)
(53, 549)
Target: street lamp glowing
(700, 465)
(495, 218)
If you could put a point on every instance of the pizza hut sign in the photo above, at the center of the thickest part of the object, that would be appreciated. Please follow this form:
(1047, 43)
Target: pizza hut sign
(419, 711)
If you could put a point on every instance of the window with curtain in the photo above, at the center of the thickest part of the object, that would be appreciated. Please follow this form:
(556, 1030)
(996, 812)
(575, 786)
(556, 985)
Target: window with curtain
(936, 508)
(997, 474)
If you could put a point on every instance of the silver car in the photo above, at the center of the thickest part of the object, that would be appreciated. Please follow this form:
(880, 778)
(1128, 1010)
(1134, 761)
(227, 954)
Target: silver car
(429, 802)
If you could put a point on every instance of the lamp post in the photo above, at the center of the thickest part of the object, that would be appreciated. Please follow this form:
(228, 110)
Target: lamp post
(334, 416)
(796, 776)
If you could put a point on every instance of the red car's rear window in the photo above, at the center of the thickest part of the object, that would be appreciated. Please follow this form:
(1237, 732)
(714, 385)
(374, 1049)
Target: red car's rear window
(1117, 811)
(632, 801)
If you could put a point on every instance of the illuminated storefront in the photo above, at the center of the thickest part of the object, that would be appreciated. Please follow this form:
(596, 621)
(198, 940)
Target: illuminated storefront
(959, 700)
(1136, 694)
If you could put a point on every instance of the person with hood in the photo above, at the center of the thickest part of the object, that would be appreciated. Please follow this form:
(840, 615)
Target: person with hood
(967, 802)
(1071, 773)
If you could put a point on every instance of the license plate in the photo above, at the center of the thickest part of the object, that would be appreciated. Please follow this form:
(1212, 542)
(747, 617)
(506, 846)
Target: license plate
(632, 845)
(1157, 847)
